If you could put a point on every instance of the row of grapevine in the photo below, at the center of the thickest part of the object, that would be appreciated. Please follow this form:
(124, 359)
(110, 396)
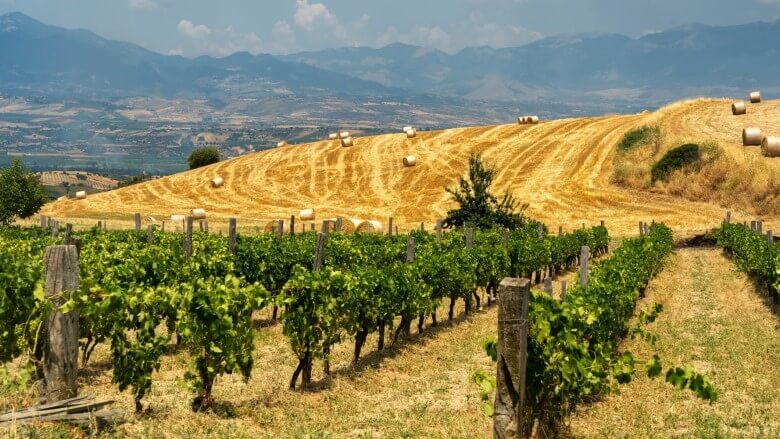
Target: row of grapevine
(754, 253)
(130, 287)
(572, 345)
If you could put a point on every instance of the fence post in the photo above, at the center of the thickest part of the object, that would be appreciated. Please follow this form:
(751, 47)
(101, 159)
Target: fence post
(206, 226)
(137, 218)
(539, 231)
(560, 230)
(728, 217)
(753, 225)
(410, 249)
(647, 228)
(55, 229)
(150, 234)
(279, 229)
(43, 221)
(512, 361)
(390, 226)
(319, 251)
(548, 286)
(760, 227)
(188, 239)
(163, 226)
(422, 227)
(292, 225)
(584, 256)
(641, 228)
(68, 233)
(232, 235)
(439, 232)
(61, 339)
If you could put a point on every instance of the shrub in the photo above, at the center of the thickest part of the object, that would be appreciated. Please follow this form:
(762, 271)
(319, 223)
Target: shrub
(133, 180)
(22, 194)
(203, 157)
(675, 159)
(639, 137)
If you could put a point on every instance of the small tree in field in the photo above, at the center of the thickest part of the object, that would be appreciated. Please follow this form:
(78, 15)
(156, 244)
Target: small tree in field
(21, 193)
(477, 206)
(203, 156)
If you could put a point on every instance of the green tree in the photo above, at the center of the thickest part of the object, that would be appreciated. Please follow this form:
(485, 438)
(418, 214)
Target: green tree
(203, 156)
(22, 194)
(477, 206)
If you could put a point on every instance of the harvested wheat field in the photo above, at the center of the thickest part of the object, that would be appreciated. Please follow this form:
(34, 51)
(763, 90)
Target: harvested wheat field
(561, 168)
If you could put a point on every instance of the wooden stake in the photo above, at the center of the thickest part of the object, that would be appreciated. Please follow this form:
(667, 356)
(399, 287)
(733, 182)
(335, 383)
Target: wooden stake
(584, 256)
(232, 223)
(137, 218)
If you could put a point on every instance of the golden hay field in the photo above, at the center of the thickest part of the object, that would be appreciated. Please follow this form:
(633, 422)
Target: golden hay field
(562, 168)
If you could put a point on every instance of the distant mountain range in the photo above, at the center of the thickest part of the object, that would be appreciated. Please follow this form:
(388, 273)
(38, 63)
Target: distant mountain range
(603, 69)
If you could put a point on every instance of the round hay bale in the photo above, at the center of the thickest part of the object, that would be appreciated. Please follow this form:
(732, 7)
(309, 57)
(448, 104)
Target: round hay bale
(346, 142)
(271, 226)
(350, 225)
(281, 144)
(306, 214)
(752, 136)
(217, 182)
(738, 108)
(408, 129)
(80, 195)
(532, 119)
(177, 218)
(62, 198)
(410, 161)
(411, 134)
(755, 97)
(770, 146)
(344, 134)
(198, 214)
(333, 136)
(521, 120)
(370, 226)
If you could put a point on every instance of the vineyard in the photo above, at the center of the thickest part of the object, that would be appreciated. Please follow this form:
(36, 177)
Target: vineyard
(131, 287)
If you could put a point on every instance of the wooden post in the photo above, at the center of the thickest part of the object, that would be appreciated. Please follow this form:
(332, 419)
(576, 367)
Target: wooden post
(150, 234)
(319, 252)
(43, 221)
(539, 231)
(325, 228)
(312, 227)
(728, 217)
(163, 226)
(68, 233)
(200, 225)
(439, 231)
(232, 235)
(469, 237)
(753, 225)
(206, 226)
(410, 249)
(548, 286)
(560, 230)
(257, 230)
(396, 231)
(279, 229)
(602, 223)
(563, 291)
(422, 227)
(55, 229)
(770, 238)
(584, 256)
(77, 244)
(512, 361)
(100, 225)
(188, 239)
(760, 227)
(137, 218)
(641, 228)
(292, 224)
(647, 229)
(390, 226)
(61, 337)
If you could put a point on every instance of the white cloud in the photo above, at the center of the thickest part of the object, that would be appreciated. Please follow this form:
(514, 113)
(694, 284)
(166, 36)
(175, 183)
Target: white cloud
(191, 30)
(308, 16)
(178, 52)
(142, 4)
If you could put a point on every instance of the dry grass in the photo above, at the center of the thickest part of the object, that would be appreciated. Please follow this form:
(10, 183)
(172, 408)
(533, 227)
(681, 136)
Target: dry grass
(739, 177)
(562, 168)
(420, 388)
(715, 320)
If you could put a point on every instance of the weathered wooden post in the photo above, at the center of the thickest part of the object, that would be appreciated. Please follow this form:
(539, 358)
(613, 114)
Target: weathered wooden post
(760, 227)
(439, 231)
(728, 217)
(43, 221)
(61, 337)
(512, 361)
(188, 238)
(150, 234)
(206, 226)
(548, 286)
(602, 223)
(641, 228)
(753, 225)
(77, 244)
(312, 227)
(539, 231)
(279, 229)
(326, 228)
(232, 235)
(100, 225)
(560, 230)
(163, 227)
(200, 225)
(390, 226)
(137, 218)
(396, 231)
(292, 225)
(55, 229)
(422, 227)
(68, 233)
(584, 256)
(647, 229)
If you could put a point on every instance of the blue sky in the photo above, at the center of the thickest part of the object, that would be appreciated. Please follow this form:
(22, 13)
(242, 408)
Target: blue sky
(195, 27)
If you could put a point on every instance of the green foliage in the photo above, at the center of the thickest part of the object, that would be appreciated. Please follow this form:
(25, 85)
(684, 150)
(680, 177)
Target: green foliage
(687, 377)
(639, 137)
(752, 253)
(487, 385)
(131, 181)
(203, 156)
(675, 159)
(22, 194)
(477, 206)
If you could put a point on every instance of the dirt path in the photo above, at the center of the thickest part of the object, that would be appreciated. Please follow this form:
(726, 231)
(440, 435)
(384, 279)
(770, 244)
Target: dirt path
(715, 320)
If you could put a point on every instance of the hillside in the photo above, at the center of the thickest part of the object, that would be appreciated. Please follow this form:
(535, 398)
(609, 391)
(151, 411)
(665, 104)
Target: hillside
(562, 168)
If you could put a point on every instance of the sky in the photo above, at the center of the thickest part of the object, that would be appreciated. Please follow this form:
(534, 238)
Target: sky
(222, 27)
